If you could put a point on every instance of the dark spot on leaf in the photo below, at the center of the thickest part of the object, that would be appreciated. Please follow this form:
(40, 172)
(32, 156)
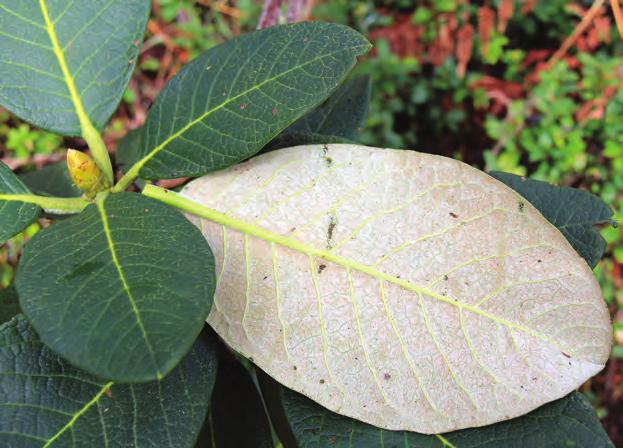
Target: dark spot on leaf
(292, 229)
(521, 206)
(321, 268)
(243, 106)
(566, 354)
(387, 376)
(454, 215)
(330, 230)
(265, 277)
(275, 111)
(321, 381)
(146, 210)
(108, 393)
(539, 261)
(294, 367)
(327, 160)
(331, 440)
(136, 42)
(445, 277)
(83, 269)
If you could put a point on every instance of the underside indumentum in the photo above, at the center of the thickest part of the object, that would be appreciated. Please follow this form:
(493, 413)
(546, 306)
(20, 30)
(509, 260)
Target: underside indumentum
(406, 290)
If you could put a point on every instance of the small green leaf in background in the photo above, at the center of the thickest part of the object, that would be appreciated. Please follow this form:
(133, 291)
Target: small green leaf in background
(227, 104)
(44, 401)
(63, 62)
(337, 120)
(51, 180)
(128, 149)
(15, 216)
(9, 305)
(237, 418)
(121, 290)
(568, 422)
(573, 211)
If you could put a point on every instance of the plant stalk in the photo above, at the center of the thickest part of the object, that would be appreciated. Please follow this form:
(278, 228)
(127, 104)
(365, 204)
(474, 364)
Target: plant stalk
(98, 150)
(127, 178)
(57, 206)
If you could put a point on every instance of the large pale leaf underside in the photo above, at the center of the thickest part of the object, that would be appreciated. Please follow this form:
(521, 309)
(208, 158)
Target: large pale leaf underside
(406, 290)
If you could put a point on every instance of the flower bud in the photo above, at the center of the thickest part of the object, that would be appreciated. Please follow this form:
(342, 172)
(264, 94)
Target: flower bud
(85, 173)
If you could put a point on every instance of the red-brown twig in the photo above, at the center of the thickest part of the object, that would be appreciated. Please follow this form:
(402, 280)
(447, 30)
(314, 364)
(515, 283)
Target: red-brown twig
(270, 14)
(297, 10)
(579, 29)
(618, 15)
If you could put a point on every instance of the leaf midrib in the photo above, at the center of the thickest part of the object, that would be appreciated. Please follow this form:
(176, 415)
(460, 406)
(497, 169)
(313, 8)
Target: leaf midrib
(126, 287)
(83, 118)
(294, 244)
(192, 123)
(79, 414)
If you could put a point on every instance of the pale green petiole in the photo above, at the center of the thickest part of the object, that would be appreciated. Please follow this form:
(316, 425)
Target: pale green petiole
(57, 206)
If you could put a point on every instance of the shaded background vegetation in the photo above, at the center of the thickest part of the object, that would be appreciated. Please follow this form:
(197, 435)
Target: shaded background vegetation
(532, 87)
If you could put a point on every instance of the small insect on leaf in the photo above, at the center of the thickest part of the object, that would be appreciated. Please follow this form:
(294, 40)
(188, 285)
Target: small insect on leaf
(85, 173)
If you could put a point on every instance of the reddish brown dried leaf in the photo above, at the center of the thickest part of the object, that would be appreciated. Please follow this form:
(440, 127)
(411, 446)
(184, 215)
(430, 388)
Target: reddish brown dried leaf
(464, 47)
(486, 22)
(528, 6)
(505, 12)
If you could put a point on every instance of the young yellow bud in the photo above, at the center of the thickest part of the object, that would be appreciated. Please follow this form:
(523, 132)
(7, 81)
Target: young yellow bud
(85, 173)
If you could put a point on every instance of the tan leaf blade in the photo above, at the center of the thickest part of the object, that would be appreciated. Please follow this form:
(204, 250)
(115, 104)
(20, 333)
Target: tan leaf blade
(407, 290)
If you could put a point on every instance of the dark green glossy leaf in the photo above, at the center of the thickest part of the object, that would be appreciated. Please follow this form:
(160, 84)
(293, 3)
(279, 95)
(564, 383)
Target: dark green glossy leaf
(567, 422)
(128, 149)
(120, 290)
(52, 180)
(44, 401)
(96, 41)
(342, 115)
(227, 104)
(575, 212)
(237, 418)
(9, 305)
(15, 215)
(297, 139)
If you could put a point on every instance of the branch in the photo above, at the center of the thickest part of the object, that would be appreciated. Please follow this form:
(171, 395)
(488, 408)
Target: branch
(579, 29)
(298, 10)
(618, 15)
(270, 14)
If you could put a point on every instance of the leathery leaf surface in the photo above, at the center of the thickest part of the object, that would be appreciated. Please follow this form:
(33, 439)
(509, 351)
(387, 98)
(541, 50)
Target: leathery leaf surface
(407, 290)
(120, 290)
(65, 63)
(47, 402)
